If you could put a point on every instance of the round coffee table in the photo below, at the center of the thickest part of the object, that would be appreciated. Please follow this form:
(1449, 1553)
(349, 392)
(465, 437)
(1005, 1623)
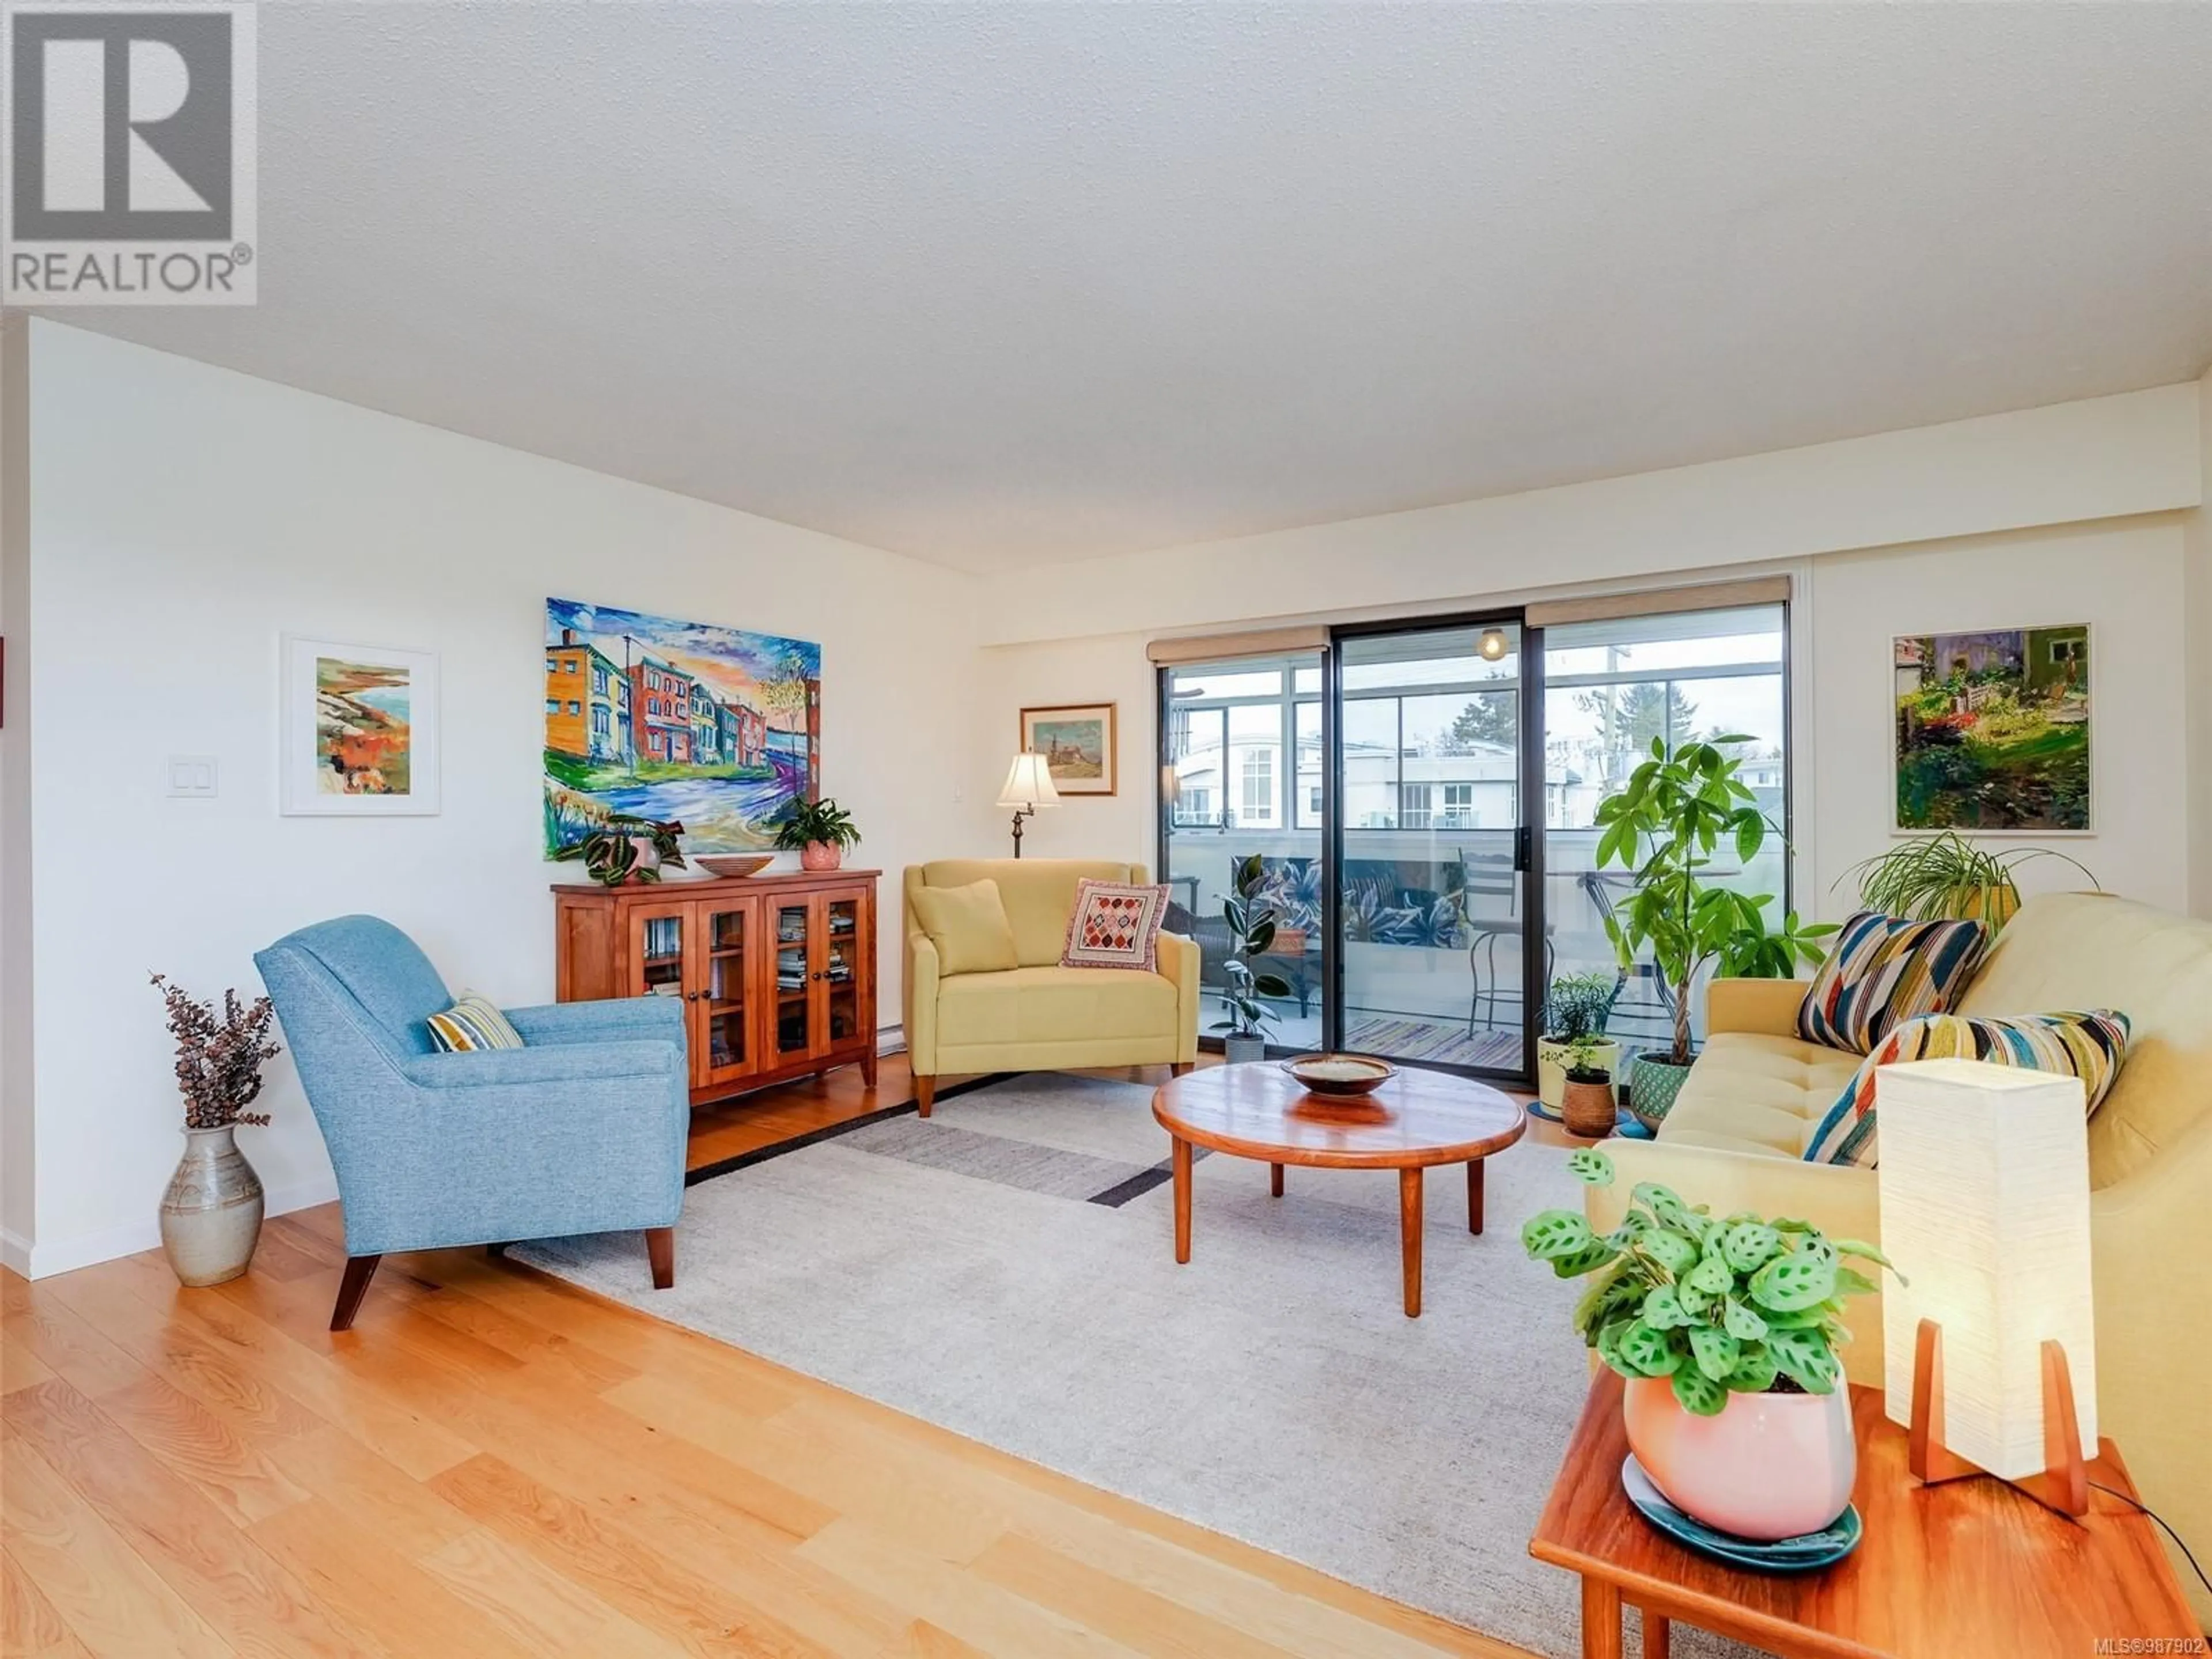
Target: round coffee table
(1415, 1120)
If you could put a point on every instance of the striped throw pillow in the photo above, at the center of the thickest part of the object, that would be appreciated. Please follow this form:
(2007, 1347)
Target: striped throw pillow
(1883, 971)
(2088, 1046)
(472, 1023)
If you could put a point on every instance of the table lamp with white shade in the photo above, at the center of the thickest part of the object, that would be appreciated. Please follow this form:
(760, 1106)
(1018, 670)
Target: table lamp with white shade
(1989, 1329)
(1028, 785)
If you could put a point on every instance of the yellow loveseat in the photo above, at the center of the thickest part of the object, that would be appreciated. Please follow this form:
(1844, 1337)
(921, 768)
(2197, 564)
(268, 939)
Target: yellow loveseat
(1750, 1106)
(1040, 1017)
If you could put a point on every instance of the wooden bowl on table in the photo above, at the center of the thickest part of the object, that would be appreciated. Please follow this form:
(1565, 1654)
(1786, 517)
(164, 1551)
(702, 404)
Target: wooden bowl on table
(1341, 1075)
(734, 864)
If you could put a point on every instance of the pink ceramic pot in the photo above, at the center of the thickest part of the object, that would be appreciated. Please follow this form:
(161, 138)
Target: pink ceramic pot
(821, 856)
(1769, 1466)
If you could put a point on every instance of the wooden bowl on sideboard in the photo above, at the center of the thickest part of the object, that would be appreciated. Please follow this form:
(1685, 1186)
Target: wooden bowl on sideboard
(727, 865)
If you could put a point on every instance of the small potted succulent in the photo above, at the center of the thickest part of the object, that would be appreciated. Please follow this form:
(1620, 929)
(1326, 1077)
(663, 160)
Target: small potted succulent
(626, 848)
(1577, 1005)
(211, 1211)
(820, 831)
(1251, 936)
(1586, 1098)
(1726, 1329)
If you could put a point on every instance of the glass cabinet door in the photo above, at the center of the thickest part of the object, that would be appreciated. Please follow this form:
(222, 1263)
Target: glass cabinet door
(794, 978)
(843, 943)
(725, 1024)
(657, 947)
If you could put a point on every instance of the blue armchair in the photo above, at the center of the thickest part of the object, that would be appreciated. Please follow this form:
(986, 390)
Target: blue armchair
(582, 1131)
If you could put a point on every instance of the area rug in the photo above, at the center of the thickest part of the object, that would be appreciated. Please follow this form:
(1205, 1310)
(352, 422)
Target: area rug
(1446, 1045)
(1006, 1270)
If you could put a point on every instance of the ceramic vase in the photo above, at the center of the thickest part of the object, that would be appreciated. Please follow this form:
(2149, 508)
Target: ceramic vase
(821, 856)
(1242, 1050)
(1768, 1466)
(211, 1213)
(1652, 1085)
(1587, 1109)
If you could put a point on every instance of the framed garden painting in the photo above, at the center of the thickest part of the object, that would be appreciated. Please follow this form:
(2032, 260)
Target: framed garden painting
(359, 730)
(1992, 730)
(1077, 741)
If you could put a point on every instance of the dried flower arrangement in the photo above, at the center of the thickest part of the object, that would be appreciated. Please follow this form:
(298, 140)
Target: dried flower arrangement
(219, 1057)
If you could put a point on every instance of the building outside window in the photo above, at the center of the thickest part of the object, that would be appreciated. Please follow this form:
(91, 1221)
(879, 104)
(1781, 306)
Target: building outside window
(1257, 802)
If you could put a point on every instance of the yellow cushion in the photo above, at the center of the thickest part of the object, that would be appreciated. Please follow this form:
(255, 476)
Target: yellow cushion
(1039, 894)
(1754, 1093)
(1053, 1004)
(969, 926)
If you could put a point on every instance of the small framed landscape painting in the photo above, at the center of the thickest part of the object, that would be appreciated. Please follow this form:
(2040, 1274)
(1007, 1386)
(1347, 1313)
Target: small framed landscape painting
(1077, 741)
(1993, 730)
(359, 730)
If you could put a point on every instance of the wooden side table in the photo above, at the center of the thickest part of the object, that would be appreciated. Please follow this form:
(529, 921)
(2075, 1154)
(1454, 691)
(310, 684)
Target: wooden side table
(1969, 1567)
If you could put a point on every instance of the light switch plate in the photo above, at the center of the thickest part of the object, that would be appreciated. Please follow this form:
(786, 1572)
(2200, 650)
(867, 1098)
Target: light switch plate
(191, 776)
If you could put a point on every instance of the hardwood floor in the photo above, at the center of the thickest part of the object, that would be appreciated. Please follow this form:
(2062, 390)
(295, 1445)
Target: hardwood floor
(492, 1463)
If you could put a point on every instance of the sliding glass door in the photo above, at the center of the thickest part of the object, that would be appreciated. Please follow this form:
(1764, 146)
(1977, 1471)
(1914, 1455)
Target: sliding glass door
(1433, 855)
(1422, 797)
(1242, 772)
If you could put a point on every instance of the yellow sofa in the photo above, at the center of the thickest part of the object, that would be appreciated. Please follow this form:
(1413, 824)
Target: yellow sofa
(1040, 1017)
(1751, 1104)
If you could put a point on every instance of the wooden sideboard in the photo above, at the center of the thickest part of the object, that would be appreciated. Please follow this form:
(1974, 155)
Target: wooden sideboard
(777, 973)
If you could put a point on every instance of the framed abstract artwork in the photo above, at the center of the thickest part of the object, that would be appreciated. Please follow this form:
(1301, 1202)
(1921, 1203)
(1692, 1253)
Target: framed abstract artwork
(1077, 741)
(359, 730)
(1992, 730)
(717, 728)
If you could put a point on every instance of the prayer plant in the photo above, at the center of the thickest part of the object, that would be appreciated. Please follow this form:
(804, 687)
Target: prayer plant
(1719, 1306)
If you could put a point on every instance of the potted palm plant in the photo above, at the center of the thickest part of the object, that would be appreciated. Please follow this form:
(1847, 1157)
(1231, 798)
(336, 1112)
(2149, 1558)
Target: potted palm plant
(1577, 1006)
(1251, 936)
(1946, 876)
(1664, 825)
(1726, 1329)
(820, 830)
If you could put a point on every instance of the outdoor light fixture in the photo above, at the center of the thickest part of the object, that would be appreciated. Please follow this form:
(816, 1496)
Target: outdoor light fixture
(1028, 785)
(1492, 647)
(1990, 1352)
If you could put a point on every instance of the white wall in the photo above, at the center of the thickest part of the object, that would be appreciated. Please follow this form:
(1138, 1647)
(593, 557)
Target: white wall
(2097, 459)
(183, 518)
(2124, 579)
(2197, 528)
(18, 1194)
(1107, 668)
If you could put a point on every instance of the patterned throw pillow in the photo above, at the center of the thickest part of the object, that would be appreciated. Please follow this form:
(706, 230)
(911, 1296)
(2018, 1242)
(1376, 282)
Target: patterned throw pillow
(2087, 1046)
(472, 1023)
(1114, 926)
(1883, 971)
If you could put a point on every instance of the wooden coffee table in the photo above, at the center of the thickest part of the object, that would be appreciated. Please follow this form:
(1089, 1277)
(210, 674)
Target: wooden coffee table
(1967, 1567)
(1415, 1120)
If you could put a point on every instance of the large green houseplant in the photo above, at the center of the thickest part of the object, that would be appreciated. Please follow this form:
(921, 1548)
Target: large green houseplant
(1251, 921)
(1664, 825)
(1701, 1313)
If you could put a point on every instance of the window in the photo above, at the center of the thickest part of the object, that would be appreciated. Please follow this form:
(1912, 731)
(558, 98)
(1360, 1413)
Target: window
(574, 706)
(552, 705)
(1459, 807)
(1313, 802)
(568, 667)
(551, 663)
(1413, 799)
(1195, 807)
(1258, 799)
(599, 723)
(598, 680)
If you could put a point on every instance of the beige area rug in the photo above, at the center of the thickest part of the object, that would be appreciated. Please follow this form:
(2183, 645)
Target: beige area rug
(1006, 1270)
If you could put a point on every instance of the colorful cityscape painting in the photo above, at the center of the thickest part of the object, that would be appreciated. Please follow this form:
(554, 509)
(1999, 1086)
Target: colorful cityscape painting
(1993, 730)
(717, 727)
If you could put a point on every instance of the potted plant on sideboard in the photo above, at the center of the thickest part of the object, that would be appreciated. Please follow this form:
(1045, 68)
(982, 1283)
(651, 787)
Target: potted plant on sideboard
(1577, 1005)
(1251, 936)
(211, 1211)
(626, 848)
(1945, 877)
(1587, 1104)
(1726, 1330)
(820, 830)
(1663, 825)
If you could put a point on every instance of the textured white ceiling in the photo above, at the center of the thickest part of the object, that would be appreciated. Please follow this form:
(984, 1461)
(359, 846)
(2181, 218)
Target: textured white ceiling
(997, 285)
